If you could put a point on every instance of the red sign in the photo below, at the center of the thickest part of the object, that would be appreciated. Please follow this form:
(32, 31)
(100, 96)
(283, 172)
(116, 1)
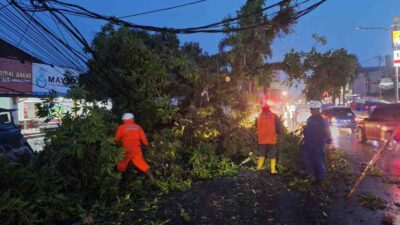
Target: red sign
(15, 77)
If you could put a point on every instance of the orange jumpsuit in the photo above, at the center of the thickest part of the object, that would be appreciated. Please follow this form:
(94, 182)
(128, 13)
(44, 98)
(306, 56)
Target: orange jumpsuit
(132, 136)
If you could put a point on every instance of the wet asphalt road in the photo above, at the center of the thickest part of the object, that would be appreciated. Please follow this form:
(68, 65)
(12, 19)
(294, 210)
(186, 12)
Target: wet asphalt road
(386, 187)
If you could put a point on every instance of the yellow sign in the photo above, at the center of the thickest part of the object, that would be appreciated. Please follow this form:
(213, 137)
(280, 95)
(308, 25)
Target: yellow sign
(396, 37)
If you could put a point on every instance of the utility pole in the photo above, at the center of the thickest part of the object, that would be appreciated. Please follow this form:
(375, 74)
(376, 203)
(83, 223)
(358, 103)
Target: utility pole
(396, 47)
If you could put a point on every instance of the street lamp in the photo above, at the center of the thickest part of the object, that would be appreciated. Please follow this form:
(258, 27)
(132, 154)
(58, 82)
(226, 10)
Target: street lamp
(372, 28)
(395, 49)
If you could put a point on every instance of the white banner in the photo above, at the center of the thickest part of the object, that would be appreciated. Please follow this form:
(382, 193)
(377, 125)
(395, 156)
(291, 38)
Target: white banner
(46, 78)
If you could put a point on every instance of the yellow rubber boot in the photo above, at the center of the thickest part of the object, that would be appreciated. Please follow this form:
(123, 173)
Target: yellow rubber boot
(261, 162)
(273, 166)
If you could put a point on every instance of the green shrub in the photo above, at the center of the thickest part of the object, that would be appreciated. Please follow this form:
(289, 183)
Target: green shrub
(83, 153)
(206, 164)
(288, 151)
(238, 142)
(33, 195)
(72, 177)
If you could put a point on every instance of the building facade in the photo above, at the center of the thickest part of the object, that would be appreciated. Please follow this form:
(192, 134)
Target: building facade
(368, 79)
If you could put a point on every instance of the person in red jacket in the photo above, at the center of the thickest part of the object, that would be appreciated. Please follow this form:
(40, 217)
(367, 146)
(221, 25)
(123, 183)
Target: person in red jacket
(268, 128)
(132, 136)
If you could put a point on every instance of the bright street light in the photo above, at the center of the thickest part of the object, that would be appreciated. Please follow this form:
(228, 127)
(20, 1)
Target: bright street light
(372, 28)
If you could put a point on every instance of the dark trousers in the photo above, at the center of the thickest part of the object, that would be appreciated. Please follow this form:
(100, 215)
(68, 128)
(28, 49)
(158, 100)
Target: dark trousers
(314, 161)
(267, 150)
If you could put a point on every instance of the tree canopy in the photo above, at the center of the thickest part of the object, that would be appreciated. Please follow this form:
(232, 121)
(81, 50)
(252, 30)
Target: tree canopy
(247, 51)
(321, 72)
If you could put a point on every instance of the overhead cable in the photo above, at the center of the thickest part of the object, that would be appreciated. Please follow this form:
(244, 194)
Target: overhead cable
(164, 9)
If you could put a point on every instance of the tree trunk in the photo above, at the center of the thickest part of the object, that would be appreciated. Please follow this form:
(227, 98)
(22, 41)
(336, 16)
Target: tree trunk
(250, 86)
(344, 94)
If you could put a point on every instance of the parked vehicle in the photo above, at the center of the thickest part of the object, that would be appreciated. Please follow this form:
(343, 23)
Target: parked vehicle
(367, 104)
(381, 124)
(12, 144)
(340, 116)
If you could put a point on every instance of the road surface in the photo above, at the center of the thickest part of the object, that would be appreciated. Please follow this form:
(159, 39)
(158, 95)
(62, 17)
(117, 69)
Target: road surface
(347, 212)
(37, 143)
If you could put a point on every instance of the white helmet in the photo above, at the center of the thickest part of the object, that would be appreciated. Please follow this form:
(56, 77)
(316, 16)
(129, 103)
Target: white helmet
(315, 104)
(128, 116)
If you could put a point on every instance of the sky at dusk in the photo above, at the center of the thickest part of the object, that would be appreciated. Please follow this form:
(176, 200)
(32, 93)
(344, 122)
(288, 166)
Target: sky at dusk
(335, 19)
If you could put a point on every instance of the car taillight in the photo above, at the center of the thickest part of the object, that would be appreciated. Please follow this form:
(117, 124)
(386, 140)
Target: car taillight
(397, 136)
(326, 118)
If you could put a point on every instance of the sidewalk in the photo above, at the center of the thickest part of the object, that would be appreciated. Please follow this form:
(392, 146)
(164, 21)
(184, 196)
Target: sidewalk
(32, 133)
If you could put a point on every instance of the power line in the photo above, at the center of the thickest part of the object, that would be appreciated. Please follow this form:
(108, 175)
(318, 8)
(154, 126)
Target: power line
(40, 47)
(23, 35)
(61, 33)
(40, 42)
(164, 9)
(5, 5)
(36, 38)
(33, 43)
(77, 10)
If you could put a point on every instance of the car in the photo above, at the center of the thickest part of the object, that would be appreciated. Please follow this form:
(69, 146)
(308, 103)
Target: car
(372, 104)
(13, 146)
(381, 124)
(367, 105)
(340, 117)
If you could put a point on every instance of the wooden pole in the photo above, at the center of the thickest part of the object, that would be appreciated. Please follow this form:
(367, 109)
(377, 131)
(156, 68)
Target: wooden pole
(372, 163)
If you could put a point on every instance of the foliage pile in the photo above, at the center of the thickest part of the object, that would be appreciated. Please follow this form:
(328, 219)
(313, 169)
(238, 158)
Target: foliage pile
(371, 202)
(71, 178)
(32, 195)
(289, 154)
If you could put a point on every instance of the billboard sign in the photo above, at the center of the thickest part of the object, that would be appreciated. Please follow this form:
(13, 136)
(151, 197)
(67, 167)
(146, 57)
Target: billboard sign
(48, 78)
(15, 77)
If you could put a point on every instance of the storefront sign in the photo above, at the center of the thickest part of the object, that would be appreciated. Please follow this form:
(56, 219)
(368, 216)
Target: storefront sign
(396, 57)
(48, 78)
(396, 37)
(15, 77)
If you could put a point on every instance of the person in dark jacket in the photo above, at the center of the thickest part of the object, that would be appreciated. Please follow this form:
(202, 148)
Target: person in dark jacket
(268, 128)
(316, 136)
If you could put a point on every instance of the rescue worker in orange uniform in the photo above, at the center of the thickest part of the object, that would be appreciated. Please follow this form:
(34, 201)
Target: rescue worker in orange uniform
(268, 127)
(132, 137)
